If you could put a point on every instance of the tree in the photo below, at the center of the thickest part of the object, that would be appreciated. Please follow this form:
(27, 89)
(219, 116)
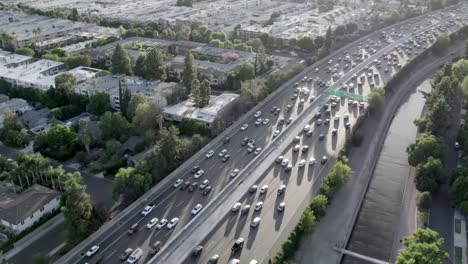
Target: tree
(41, 258)
(458, 184)
(196, 92)
(187, 3)
(65, 82)
(318, 42)
(423, 246)
(76, 61)
(131, 184)
(327, 44)
(319, 205)
(12, 133)
(190, 71)
(191, 127)
(439, 116)
(307, 221)
(260, 61)
(306, 43)
(84, 135)
(155, 68)
(25, 51)
(460, 69)
(376, 99)
(135, 101)
(441, 44)
(205, 93)
(464, 87)
(140, 66)
(120, 61)
(218, 35)
(466, 49)
(77, 209)
(246, 72)
(426, 146)
(424, 201)
(114, 125)
(351, 27)
(124, 98)
(428, 175)
(148, 116)
(99, 103)
(255, 43)
(435, 4)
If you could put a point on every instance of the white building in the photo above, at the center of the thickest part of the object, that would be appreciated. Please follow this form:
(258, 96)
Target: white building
(17, 105)
(20, 211)
(218, 107)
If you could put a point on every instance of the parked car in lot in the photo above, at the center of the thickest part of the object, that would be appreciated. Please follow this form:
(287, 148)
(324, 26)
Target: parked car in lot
(276, 133)
(288, 168)
(296, 148)
(311, 161)
(302, 163)
(245, 209)
(285, 162)
(279, 159)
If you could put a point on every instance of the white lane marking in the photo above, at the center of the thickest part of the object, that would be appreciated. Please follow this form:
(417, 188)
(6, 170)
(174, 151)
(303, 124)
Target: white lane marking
(110, 255)
(179, 204)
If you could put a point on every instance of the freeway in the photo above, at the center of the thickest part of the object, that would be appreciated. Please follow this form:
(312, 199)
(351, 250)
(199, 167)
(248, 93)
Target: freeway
(172, 202)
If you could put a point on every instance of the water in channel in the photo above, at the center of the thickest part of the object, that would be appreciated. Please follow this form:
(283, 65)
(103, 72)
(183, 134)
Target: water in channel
(378, 219)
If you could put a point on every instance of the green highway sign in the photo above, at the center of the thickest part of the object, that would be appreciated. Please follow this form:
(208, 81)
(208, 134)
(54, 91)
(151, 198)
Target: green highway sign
(352, 96)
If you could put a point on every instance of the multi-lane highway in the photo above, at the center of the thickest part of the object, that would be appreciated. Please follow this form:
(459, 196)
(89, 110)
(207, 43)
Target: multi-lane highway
(173, 202)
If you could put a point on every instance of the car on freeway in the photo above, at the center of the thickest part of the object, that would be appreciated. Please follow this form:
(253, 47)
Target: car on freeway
(307, 128)
(258, 121)
(195, 168)
(257, 114)
(279, 159)
(336, 118)
(264, 189)
(185, 185)
(309, 133)
(288, 108)
(311, 161)
(457, 145)
(281, 207)
(238, 245)
(257, 151)
(289, 121)
(206, 190)
(226, 140)
(244, 127)
(204, 184)
(198, 174)
(334, 131)
(135, 256)
(197, 209)
(245, 209)
(178, 183)
(147, 209)
(321, 137)
(266, 121)
(285, 162)
(281, 189)
(258, 206)
(161, 223)
(156, 247)
(255, 222)
(318, 122)
(253, 188)
(222, 153)
(276, 133)
(193, 186)
(288, 168)
(234, 261)
(225, 158)
(172, 223)
(347, 125)
(209, 154)
(324, 159)
(152, 223)
(213, 259)
(244, 141)
(234, 173)
(296, 148)
(281, 121)
(125, 254)
(92, 251)
(305, 148)
(236, 207)
(327, 121)
(302, 163)
(197, 251)
(296, 139)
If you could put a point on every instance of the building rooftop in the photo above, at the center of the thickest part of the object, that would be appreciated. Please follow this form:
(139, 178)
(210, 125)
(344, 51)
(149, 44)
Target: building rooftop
(32, 74)
(208, 114)
(15, 208)
(8, 59)
(83, 73)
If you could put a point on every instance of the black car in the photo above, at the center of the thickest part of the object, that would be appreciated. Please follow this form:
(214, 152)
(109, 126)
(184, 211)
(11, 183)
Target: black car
(226, 140)
(195, 169)
(238, 245)
(193, 187)
(197, 251)
(206, 190)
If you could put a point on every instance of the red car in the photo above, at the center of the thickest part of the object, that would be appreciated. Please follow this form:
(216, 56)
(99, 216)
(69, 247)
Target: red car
(185, 185)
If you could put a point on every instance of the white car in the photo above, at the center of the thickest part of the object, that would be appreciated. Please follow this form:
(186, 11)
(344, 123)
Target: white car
(285, 162)
(172, 223)
(257, 114)
(209, 154)
(236, 207)
(255, 222)
(152, 223)
(302, 163)
(337, 117)
(305, 148)
(197, 209)
(311, 161)
(147, 209)
(264, 189)
(279, 159)
(296, 148)
(276, 133)
(257, 151)
(234, 173)
(204, 184)
(92, 251)
(198, 174)
(161, 223)
(281, 207)
(266, 121)
(135, 256)
(178, 183)
(258, 206)
(222, 153)
(306, 128)
(244, 127)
